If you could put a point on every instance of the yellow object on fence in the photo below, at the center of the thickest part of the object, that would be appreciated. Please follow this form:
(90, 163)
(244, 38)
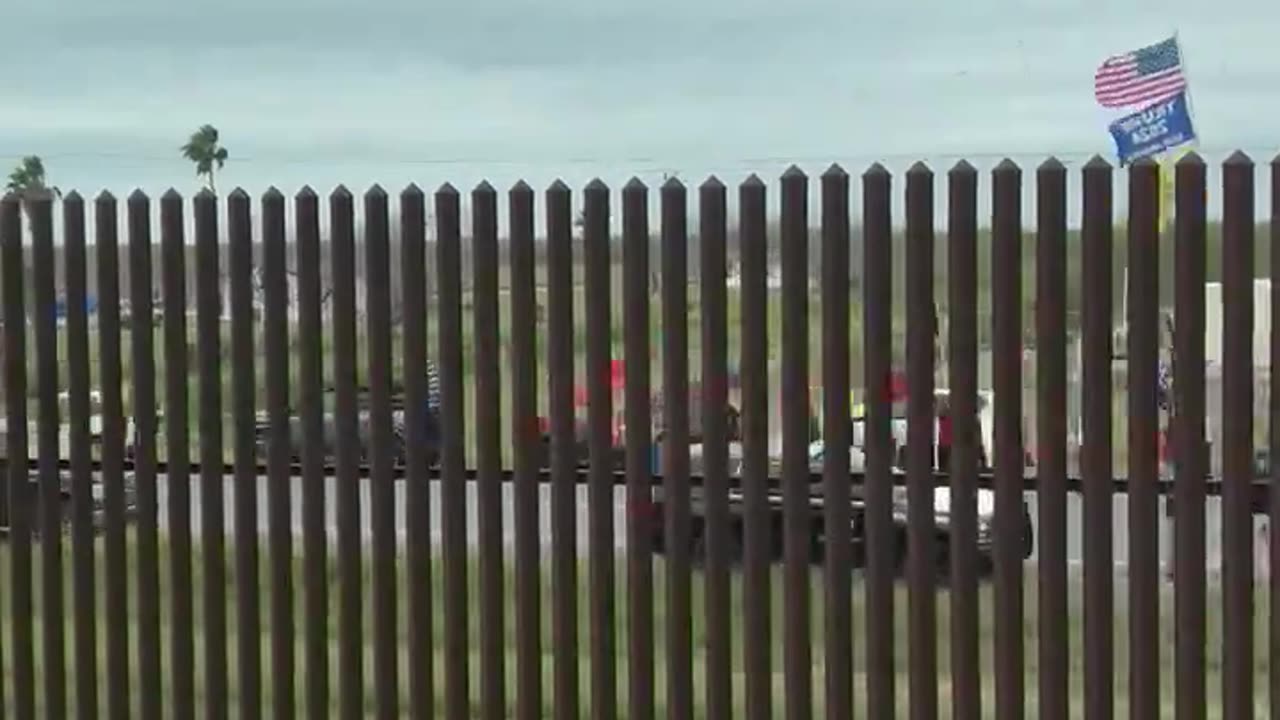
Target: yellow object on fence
(1168, 164)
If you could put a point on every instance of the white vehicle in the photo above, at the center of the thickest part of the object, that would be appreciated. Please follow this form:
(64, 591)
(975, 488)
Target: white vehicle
(64, 427)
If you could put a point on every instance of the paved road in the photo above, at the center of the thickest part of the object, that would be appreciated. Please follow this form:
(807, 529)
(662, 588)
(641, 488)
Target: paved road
(1074, 520)
(366, 528)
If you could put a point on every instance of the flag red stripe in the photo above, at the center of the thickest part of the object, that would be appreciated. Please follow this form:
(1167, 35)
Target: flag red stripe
(1128, 83)
(1122, 65)
(1145, 95)
(1118, 83)
(1140, 88)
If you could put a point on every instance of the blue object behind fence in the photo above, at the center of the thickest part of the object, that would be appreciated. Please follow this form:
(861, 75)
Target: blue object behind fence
(60, 307)
(1151, 131)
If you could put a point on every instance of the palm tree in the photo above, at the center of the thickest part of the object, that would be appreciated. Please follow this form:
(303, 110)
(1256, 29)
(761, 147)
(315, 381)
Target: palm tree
(29, 177)
(203, 150)
(26, 180)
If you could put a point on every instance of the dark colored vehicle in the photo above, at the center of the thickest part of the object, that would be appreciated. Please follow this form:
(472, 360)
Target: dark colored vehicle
(431, 440)
(857, 529)
(818, 531)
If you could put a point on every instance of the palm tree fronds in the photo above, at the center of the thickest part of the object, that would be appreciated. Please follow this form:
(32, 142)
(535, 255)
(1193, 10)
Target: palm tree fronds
(203, 150)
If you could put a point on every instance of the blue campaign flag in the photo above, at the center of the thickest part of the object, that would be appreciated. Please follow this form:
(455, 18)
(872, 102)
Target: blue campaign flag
(1153, 130)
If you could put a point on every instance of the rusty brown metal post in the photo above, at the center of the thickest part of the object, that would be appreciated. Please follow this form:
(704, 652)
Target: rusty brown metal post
(877, 305)
(675, 448)
(921, 423)
(759, 541)
(1051, 437)
(962, 337)
(243, 396)
(1237, 433)
(275, 340)
(6, 199)
(173, 253)
(347, 452)
(1095, 462)
(17, 445)
(1006, 322)
(453, 448)
(116, 619)
(377, 246)
(1143, 351)
(245, 482)
(638, 441)
(524, 438)
(310, 356)
(39, 208)
(209, 331)
(797, 653)
(413, 259)
(722, 548)
(836, 435)
(82, 551)
(141, 332)
(564, 540)
(596, 241)
(1189, 442)
(487, 364)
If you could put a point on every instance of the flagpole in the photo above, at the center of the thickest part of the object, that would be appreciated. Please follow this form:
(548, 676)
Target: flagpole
(1186, 90)
(1186, 84)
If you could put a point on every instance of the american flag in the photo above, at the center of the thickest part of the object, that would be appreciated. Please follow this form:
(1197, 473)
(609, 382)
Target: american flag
(1142, 77)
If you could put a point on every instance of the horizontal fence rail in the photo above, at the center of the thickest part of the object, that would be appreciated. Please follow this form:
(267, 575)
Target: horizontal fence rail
(898, 546)
(1259, 488)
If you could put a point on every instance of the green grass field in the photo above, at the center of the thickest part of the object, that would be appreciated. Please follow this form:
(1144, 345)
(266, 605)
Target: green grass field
(694, 317)
(1260, 664)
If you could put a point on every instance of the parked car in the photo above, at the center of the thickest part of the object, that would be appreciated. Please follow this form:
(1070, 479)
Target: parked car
(95, 438)
(431, 440)
(857, 462)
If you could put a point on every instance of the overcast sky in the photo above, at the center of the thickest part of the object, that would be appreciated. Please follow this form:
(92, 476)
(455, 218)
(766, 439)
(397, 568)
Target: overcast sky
(324, 92)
